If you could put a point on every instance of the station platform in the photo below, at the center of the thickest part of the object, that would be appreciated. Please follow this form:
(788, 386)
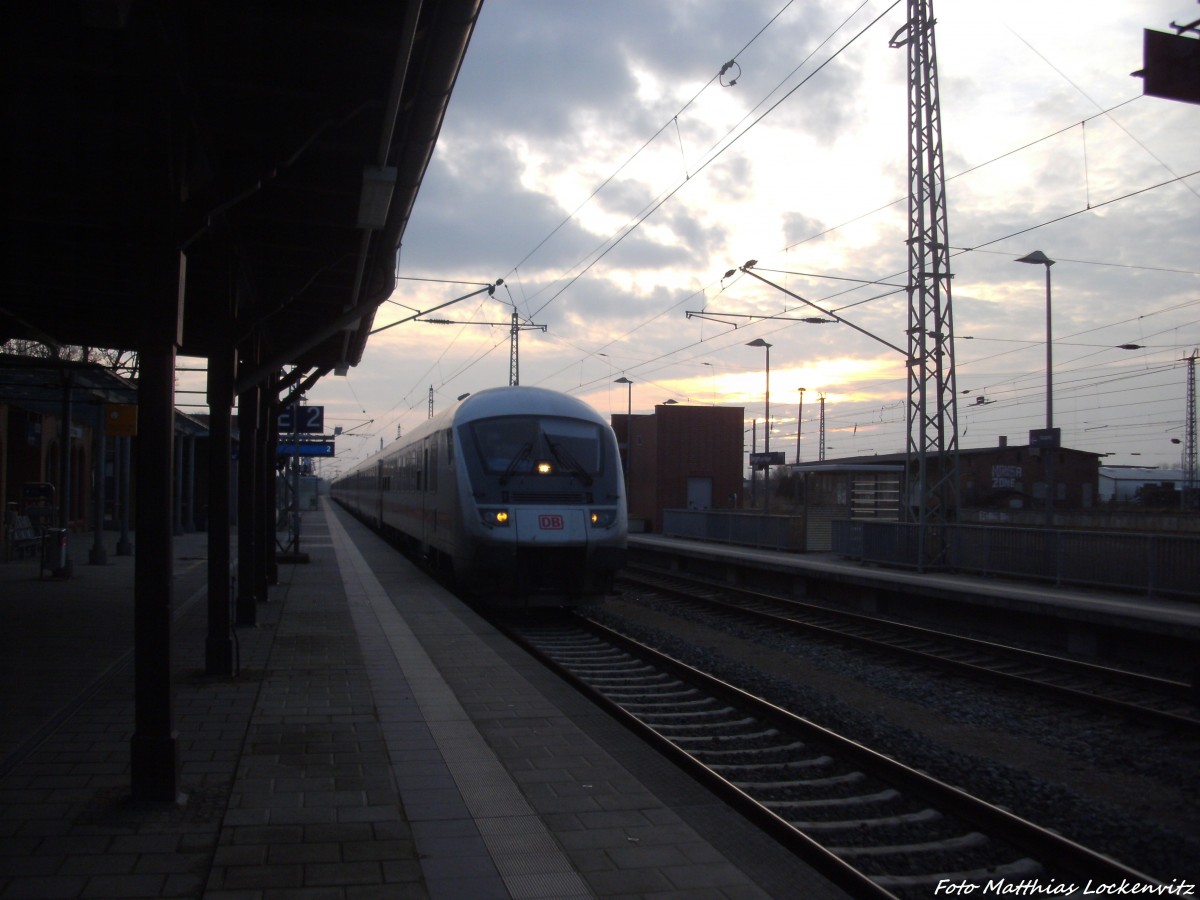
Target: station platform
(1087, 619)
(379, 740)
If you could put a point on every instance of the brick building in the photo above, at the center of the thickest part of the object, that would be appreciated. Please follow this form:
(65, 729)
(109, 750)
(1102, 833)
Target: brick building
(1016, 477)
(681, 457)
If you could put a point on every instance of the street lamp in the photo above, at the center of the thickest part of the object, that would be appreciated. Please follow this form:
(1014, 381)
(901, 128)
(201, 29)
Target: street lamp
(1038, 258)
(759, 342)
(799, 423)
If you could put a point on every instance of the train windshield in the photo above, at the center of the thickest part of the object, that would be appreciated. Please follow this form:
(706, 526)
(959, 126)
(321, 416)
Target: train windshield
(514, 446)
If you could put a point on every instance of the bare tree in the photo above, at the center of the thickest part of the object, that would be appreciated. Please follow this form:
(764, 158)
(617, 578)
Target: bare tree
(122, 362)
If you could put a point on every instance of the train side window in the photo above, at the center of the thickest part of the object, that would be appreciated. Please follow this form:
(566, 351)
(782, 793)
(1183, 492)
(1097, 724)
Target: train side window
(411, 477)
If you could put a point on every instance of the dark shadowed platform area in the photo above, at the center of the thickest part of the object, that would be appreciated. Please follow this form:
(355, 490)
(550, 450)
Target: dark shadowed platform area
(379, 740)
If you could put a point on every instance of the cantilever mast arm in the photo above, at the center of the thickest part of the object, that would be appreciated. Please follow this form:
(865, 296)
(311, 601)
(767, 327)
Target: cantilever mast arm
(825, 312)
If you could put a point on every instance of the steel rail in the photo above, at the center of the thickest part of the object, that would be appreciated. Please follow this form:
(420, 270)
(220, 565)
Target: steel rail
(1059, 853)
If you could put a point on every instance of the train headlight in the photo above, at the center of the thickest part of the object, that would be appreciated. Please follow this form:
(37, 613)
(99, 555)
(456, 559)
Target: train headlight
(544, 467)
(603, 518)
(495, 517)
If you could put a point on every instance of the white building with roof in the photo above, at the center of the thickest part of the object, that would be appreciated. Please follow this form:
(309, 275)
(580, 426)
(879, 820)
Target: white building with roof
(1122, 483)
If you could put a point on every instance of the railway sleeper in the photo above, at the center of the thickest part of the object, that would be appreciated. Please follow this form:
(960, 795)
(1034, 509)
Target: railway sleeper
(702, 728)
(923, 862)
(728, 738)
(667, 704)
(903, 820)
(668, 696)
(684, 715)
(640, 681)
(831, 781)
(959, 842)
(791, 766)
(633, 667)
(1021, 868)
(888, 795)
(793, 747)
(586, 657)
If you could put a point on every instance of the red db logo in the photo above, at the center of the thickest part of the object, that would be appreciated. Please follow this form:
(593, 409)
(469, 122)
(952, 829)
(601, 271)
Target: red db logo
(550, 523)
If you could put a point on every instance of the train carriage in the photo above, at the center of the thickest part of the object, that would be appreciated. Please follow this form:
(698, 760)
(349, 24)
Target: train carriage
(517, 490)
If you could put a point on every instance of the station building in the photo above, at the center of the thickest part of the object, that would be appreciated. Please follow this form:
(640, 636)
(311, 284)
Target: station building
(67, 431)
(993, 482)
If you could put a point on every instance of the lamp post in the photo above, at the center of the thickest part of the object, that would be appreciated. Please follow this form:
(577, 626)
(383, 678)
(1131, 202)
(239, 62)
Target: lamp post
(713, 373)
(628, 437)
(799, 423)
(753, 468)
(759, 342)
(1038, 258)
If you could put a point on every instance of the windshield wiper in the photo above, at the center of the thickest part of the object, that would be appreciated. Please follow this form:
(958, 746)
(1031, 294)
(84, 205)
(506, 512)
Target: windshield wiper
(569, 462)
(522, 454)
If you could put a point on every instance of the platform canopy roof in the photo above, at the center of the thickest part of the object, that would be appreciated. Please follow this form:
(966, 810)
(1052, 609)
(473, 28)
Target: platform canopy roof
(275, 148)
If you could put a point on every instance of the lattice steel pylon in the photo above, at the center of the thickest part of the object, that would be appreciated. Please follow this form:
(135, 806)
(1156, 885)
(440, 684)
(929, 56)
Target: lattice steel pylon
(932, 450)
(516, 326)
(821, 442)
(514, 346)
(514, 352)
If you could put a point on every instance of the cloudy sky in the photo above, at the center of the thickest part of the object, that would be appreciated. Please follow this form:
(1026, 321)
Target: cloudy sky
(595, 159)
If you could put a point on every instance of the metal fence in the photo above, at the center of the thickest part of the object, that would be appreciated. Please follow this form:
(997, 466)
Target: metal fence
(1156, 564)
(727, 527)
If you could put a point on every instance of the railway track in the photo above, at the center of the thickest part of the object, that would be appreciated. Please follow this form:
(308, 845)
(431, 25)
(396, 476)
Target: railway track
(1156, 701)
(876, 827)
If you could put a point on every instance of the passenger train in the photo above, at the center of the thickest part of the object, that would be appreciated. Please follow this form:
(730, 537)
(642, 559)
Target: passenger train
(517, 491)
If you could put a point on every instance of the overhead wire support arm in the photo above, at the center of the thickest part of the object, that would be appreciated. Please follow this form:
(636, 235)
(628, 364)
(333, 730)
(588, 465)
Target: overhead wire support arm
(695, 314)
(490, 290)
(811, 320)
(348, 319)
(1181, 29)
(748, 269)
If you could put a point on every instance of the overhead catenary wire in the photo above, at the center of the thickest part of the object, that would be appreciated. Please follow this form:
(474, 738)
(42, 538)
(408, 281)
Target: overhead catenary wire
(714, 153)
(658, 201)
(650, 140)
(659, 315)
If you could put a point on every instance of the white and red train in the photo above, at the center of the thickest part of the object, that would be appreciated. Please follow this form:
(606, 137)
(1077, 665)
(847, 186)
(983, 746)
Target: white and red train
(517, 491)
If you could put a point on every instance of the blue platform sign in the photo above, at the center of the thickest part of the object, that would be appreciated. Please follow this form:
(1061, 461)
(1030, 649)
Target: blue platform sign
(761, 461)
(305, 448)
(1045, 438)
(302, 420)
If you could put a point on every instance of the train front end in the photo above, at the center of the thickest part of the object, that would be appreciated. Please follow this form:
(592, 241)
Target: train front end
(546, 521)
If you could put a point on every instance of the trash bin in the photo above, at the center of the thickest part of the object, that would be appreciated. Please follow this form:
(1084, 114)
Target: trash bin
(54, 549)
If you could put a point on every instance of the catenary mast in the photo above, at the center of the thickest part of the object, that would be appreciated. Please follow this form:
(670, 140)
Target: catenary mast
(932, 449)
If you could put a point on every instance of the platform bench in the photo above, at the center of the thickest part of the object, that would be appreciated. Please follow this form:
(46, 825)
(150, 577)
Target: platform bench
(23, 538)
